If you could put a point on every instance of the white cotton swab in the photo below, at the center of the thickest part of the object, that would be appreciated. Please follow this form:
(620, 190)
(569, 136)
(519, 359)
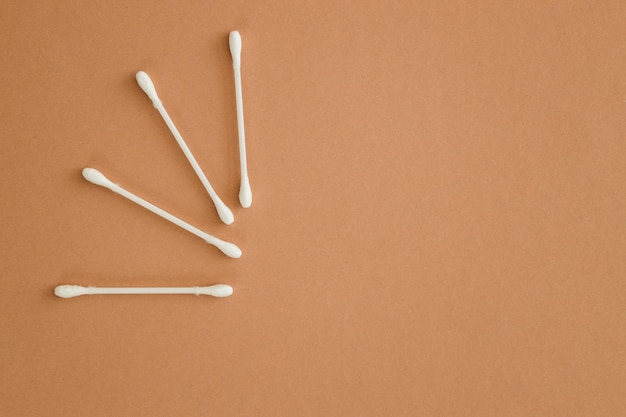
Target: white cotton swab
(147, 86)
(70, 291)
(245, 193)
(96, 177)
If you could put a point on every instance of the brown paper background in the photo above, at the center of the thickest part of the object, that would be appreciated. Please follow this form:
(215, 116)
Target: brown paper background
(438, 225)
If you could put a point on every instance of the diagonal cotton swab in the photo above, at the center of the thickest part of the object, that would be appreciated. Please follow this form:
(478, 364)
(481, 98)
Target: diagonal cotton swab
(147, 86)
(245, 193)
(96, 177)
(69, 291)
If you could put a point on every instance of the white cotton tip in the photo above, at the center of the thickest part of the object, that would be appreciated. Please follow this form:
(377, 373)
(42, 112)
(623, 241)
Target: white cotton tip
(220, 290)
(96, 177)
(224, 212)
(229, 249)
(234, 42)
(69, 291)
(245, 193)
(147, 86)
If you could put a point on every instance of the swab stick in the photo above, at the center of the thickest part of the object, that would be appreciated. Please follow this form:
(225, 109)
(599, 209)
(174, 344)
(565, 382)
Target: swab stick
(147, 86)
(96, 177)
(245, 193)
(69, 291)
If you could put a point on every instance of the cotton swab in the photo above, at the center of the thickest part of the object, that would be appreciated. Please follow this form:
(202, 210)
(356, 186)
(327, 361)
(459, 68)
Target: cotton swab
(69, 291)
(245, 193)
(96, 177)
(147, 86)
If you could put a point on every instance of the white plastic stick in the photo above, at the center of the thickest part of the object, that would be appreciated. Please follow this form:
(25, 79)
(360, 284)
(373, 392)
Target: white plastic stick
(69, 291)
(245, 193)
(147, 86)
(96, 177)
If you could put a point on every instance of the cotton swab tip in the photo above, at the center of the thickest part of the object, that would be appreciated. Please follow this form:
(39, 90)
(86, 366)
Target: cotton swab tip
(229, 249)
(220, 290)
(96, 177)
(146, 84)
(69, 291)
(224, 213)
(234, 42)
(245, 193)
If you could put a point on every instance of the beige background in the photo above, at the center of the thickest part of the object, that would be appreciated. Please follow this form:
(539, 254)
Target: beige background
(439, 213)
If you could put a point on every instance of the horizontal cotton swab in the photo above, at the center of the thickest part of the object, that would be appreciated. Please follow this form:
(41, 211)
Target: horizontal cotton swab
(245, 193)
(147, 86)
(96, 177)
(69, 291)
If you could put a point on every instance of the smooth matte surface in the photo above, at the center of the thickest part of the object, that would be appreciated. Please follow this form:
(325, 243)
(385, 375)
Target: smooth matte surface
(439, 223)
